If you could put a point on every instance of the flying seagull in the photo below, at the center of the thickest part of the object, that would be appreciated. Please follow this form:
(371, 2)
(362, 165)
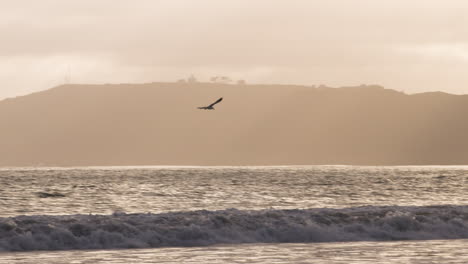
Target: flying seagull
(210, 107)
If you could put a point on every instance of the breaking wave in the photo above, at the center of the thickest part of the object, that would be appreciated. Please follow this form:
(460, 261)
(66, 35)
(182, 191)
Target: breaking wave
(202, 228)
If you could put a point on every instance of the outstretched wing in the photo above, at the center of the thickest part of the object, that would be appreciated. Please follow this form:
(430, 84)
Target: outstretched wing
(217, 101)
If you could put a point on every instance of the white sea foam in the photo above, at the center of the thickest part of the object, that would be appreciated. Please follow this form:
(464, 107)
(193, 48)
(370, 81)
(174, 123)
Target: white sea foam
(201, 228)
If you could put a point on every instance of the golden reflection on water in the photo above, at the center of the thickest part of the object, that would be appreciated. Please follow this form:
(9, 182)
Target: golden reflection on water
(162, 189)
(416, 252)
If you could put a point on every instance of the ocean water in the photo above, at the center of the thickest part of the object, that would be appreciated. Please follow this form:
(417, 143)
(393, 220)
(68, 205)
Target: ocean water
(290, 214)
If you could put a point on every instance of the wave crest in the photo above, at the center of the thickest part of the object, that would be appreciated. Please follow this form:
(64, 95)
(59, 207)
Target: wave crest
(202, 228)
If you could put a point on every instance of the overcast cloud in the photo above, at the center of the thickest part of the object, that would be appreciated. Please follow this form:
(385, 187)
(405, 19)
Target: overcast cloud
(414, 46)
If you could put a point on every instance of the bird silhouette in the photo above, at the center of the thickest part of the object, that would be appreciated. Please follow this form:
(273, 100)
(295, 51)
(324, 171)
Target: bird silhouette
(210, 107)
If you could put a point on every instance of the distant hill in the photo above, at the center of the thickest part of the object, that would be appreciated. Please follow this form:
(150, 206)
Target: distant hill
(158, 124)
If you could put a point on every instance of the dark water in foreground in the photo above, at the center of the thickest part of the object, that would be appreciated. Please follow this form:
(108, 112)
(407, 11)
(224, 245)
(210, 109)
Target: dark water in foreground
(223, 213)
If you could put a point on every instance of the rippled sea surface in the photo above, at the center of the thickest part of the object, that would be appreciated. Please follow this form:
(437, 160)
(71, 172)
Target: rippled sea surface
(59, 191)
(140, 190)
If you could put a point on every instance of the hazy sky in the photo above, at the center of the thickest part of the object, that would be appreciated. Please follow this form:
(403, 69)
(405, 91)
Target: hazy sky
(409, 45)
